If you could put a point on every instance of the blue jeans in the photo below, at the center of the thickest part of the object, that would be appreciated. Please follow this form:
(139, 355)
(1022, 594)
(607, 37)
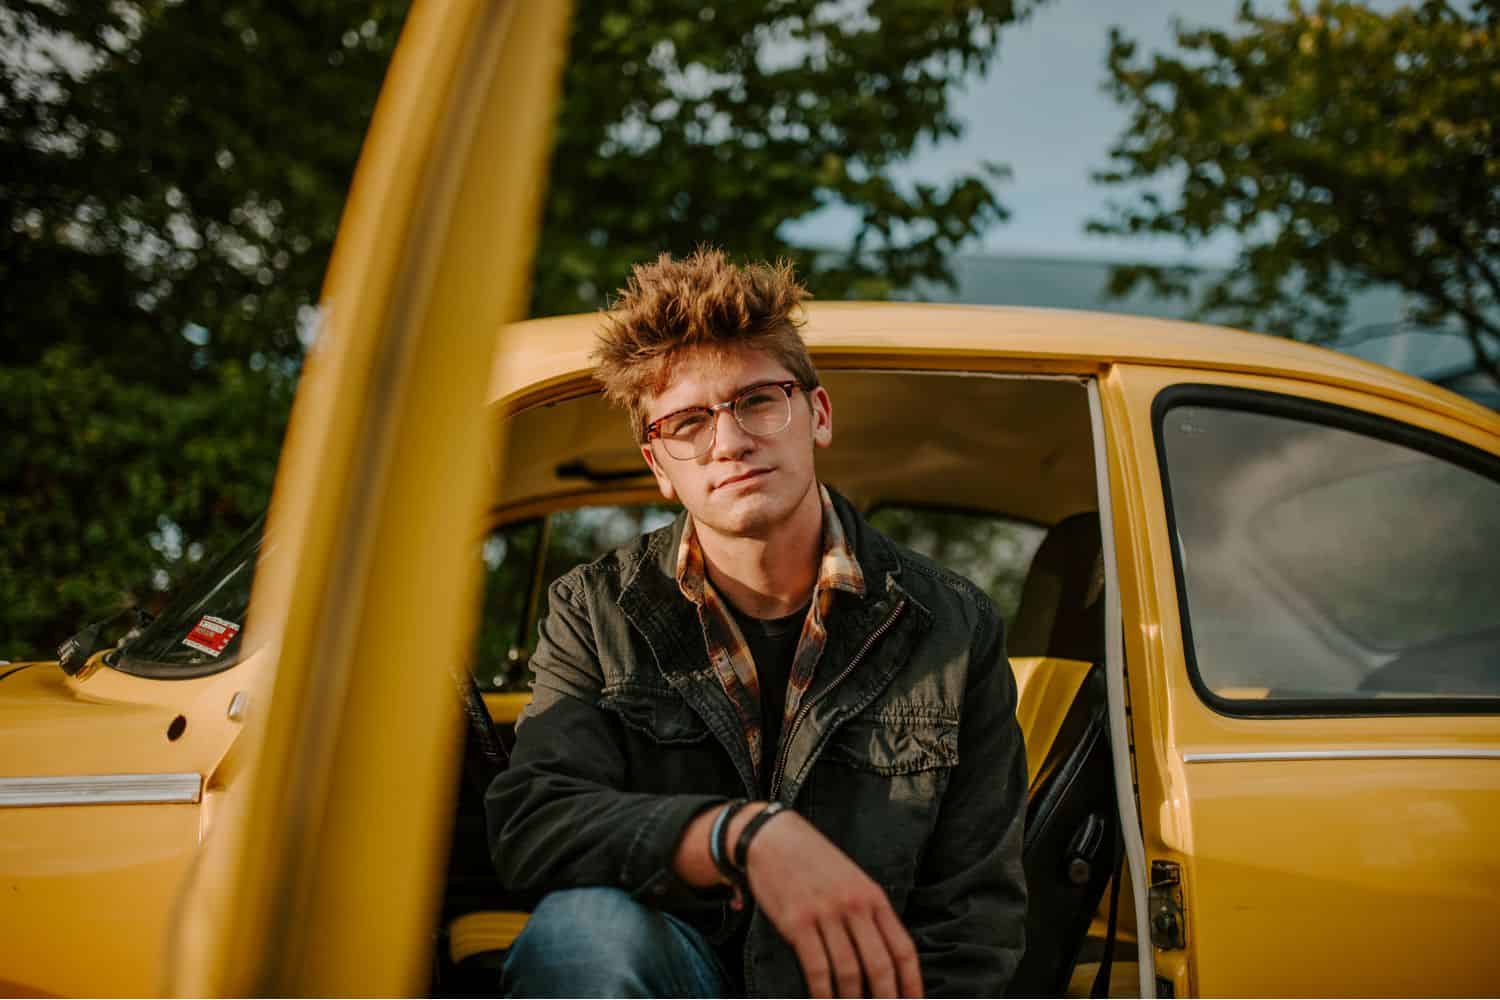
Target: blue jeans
(599, 942)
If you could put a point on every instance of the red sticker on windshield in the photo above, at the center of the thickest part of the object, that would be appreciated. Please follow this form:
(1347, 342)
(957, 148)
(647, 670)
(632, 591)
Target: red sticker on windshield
(211, 635)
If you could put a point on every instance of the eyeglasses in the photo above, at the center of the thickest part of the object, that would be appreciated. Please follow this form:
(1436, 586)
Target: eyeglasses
(761, 410)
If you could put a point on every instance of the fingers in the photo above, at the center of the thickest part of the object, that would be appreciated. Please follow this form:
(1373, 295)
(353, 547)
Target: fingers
(848, 978)
(903, 953)
(814, 960)
(837, 920)
(874, 956)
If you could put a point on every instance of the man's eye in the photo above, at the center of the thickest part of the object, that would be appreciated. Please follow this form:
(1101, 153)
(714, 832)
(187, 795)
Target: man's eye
(684, 425)
(757, 399)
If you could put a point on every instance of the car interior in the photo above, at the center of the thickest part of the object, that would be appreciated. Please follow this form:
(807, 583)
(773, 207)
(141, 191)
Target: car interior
(993, 476)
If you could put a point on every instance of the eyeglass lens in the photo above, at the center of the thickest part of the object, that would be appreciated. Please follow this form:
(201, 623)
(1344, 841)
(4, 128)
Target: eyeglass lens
(761, 410)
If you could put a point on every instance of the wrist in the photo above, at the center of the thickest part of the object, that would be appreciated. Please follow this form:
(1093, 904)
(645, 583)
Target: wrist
(740, 820)
(740, 857)
(692, 862)
(719, 844)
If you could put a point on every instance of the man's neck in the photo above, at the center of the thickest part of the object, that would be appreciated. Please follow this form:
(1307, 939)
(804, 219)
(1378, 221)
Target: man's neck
(769, 577)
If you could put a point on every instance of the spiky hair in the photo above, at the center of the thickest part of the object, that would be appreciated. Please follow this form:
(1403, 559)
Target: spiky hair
(670, 308)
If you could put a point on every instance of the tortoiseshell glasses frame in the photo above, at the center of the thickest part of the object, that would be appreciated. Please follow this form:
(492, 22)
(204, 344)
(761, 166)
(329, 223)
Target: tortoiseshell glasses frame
(690, 433)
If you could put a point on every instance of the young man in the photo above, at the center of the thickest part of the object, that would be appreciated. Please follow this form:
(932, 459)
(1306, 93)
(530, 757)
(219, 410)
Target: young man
(768, 752)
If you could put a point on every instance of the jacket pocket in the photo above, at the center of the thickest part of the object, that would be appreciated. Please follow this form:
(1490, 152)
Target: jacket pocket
(876, 791)
(892, 744)
(659, 713)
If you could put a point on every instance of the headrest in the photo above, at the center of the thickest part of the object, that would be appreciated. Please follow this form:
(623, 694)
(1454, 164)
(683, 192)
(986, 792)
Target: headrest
(1062, 601)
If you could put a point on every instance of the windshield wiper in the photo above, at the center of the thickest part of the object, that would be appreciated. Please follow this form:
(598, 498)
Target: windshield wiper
(77, 648)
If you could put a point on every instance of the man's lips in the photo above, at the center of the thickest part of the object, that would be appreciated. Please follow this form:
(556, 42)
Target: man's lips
(741, 478)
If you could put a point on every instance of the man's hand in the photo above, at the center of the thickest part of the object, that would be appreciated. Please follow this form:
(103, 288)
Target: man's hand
(837, 919)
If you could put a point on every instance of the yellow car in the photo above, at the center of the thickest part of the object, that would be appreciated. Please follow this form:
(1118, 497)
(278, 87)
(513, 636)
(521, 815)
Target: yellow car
(1250, 587)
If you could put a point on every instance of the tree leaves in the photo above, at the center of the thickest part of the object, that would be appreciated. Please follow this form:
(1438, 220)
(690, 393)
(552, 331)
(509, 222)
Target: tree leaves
(1345, 148)
(172, 175)
(721, 123)
(115, 489)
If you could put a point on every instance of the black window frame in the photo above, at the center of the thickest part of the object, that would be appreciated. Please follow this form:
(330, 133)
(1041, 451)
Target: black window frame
(1337, 417)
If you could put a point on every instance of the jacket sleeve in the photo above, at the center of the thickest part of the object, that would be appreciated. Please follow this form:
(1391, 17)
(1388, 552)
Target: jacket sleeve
(967, 912)
(559, 816)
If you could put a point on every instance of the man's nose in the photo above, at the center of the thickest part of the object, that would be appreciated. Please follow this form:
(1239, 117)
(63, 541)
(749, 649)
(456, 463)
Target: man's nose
(730, 439)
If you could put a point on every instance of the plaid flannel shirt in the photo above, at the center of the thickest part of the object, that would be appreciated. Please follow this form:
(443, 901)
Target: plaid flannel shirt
(727, 648)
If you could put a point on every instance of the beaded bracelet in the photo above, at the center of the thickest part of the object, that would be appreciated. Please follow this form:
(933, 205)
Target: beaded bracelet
(742, 846)
(718, 836)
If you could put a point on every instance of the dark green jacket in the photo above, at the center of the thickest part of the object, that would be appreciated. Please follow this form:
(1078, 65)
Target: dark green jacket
(907, 754)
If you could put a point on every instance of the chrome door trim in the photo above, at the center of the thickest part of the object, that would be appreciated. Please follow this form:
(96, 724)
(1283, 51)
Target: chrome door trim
(1392, 754)
(1114, 675)
(101, 789)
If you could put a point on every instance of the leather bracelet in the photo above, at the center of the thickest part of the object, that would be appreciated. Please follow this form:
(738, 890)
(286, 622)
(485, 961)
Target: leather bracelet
(742, 846)
(718, 837)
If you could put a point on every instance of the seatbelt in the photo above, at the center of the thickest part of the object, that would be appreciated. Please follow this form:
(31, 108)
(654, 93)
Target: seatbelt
(482, 748)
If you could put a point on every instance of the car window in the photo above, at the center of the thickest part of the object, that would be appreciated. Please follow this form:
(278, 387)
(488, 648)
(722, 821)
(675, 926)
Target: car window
(523, 559)
(990, 550)
(200, 630)
(509, 555)
(1332, 563)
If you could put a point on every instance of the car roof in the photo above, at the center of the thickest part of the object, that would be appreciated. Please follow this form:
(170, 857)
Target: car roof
(537, 358)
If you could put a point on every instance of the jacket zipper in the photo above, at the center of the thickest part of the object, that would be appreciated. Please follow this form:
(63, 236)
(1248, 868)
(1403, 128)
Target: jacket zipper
(786, 742)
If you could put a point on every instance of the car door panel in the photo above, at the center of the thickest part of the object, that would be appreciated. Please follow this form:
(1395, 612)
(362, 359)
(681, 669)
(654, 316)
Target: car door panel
(1362, 864)
(101, 812)
(322, 875)
(1332, 846)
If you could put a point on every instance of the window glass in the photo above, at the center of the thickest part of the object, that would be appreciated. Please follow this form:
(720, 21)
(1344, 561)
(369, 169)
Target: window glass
(516, 585)
(1321, 563)
(510, 566)
(200, 630)
(992, 551)
(586, 533)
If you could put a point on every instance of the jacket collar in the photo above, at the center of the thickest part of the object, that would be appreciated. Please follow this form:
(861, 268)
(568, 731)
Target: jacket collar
(838, 569)
(668, 621)
(651, 598)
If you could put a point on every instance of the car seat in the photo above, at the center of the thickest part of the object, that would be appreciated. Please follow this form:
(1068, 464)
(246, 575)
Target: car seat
(1070, 842)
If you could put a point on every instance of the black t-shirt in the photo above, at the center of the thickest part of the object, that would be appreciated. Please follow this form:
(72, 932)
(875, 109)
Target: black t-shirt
(773, 643)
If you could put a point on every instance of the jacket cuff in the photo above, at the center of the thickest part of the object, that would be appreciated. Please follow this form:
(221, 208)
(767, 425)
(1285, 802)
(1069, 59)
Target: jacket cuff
(647, 874)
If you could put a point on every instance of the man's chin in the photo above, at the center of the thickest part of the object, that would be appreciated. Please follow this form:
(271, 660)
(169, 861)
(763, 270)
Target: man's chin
(748, 517)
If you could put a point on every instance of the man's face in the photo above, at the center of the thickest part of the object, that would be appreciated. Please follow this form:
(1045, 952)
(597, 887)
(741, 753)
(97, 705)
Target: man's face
(743, 486)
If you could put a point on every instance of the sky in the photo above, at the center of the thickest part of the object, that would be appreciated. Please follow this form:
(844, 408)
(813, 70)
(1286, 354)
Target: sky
(1042, 110)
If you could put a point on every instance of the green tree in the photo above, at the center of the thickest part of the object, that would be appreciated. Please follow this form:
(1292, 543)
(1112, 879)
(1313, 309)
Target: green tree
(1344, 147)
(172, 174)
(685, 122)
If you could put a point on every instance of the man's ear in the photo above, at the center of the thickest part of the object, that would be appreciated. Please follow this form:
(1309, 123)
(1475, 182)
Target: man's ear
(822, 416)
(662, 482)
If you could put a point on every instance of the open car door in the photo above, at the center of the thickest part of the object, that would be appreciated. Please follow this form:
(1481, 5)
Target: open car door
(320, 875)
(1322, 619)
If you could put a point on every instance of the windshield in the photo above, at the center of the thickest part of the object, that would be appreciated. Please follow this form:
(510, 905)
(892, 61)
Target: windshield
(200, 629)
